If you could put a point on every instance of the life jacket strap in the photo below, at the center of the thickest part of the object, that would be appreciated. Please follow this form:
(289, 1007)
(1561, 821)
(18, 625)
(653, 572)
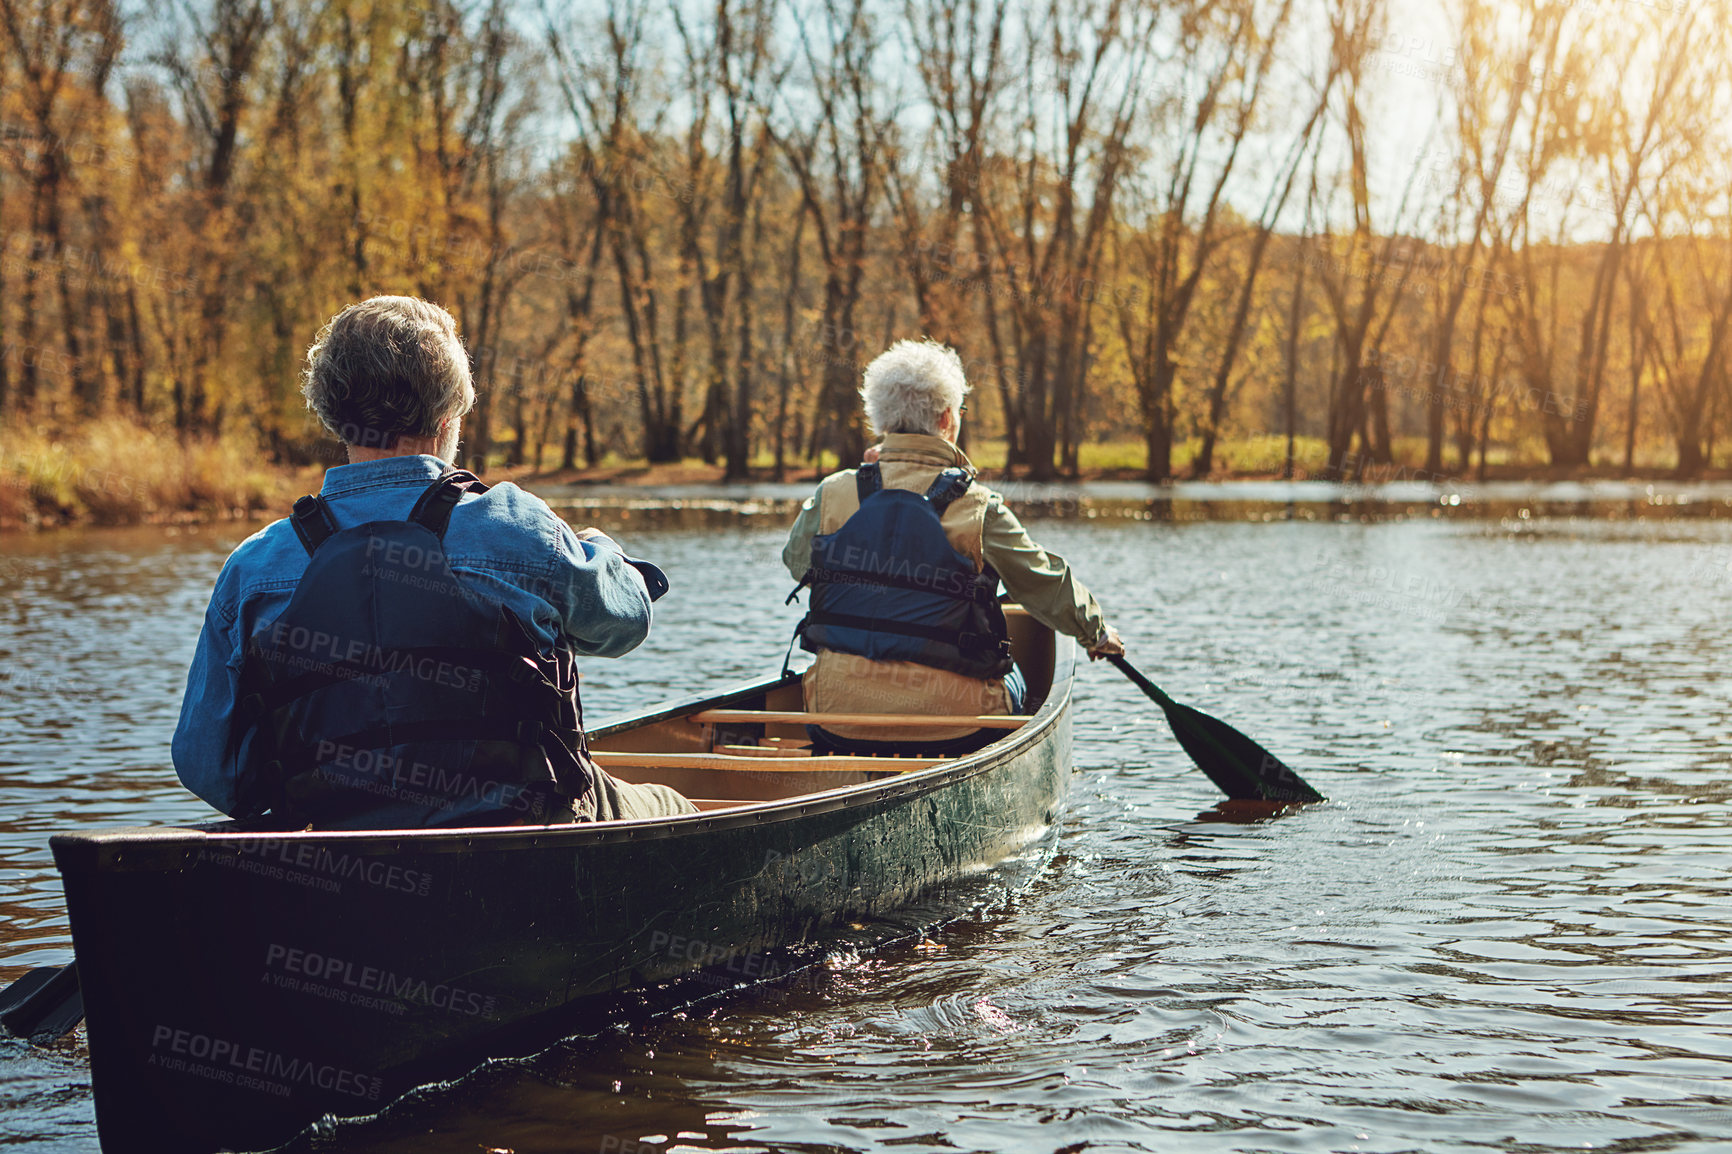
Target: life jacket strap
(868, 479)
(569, 774)
(950, 484)
(788, 657)
(313, 522)
(966, 640)
(511, 668)
(433, 510)
(982, 590)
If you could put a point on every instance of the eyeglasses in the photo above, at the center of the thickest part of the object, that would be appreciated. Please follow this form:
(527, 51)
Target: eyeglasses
(962, 408)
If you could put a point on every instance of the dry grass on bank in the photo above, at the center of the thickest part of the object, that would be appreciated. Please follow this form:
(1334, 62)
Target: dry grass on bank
(114, 472)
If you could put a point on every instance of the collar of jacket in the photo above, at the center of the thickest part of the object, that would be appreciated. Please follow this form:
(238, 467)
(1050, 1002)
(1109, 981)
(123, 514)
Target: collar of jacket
(385, 473)
(923, 449)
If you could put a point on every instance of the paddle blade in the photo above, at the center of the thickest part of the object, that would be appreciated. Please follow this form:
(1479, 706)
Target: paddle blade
(1242, 769)
(44, 1005)
(25, 988)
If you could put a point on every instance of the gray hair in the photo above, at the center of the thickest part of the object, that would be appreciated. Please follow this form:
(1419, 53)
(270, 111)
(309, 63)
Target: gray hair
(911, 385)
(386, 368)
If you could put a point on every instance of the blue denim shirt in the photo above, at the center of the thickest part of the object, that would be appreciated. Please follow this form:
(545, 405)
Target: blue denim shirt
(505, 543)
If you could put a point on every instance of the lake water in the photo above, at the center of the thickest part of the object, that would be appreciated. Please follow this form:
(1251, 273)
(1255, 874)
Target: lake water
(1508, 929)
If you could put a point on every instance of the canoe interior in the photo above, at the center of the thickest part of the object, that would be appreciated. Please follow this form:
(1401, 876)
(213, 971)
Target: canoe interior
(738, 762)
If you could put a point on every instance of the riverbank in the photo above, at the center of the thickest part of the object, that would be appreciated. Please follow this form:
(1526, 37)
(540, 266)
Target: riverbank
(115, 473)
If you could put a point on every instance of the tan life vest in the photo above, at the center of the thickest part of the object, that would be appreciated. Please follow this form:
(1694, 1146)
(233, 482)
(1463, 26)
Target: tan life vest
(847, 683)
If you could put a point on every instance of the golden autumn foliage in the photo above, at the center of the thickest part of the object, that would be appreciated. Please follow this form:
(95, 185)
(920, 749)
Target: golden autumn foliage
(671, 229)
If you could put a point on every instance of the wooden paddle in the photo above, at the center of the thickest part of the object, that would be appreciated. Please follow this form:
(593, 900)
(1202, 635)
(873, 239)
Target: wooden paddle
(1241, 768)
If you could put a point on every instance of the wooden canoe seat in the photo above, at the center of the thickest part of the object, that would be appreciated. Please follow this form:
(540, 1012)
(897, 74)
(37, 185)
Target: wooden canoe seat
(863, 720)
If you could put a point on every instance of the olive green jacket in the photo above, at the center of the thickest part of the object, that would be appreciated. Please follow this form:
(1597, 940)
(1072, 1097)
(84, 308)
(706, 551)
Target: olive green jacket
(1037, 579)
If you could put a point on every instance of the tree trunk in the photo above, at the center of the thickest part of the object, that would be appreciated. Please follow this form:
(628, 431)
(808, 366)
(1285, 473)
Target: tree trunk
(785, 377)
(1290, 399)
(837, 424)
(739, 427)
(1157, 442)
(1382, 444)
(1157, 410)
(580, 410)
(1691, 458)
(519, 425)
(1347, 412)
(30, 378)
(5, 349)
(1633, 412)
(1038, 436)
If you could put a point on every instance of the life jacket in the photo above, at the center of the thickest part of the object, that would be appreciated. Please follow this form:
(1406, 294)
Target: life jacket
(389, 695)
(888, 585)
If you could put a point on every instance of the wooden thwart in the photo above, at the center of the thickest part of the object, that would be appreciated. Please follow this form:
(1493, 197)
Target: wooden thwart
(761, 752)
(864, 720)
(608, 759)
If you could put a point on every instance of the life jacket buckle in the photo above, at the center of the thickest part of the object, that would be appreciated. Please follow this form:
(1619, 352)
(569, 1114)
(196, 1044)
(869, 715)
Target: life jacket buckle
(972, 642)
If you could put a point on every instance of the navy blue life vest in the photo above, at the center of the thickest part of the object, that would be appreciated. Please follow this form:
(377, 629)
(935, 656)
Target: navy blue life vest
(388, 695)
(888, 585)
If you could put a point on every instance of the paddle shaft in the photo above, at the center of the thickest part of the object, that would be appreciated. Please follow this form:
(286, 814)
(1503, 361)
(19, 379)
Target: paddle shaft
(1168, 705)
(1239, 767)
(1155, 693)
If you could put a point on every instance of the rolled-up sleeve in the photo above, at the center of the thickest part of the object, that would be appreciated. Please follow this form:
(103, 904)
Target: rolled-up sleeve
(797, 553)
(1039, 580)
(603, 603)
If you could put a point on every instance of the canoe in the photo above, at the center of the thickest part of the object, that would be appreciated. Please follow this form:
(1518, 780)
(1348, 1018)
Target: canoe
(240, 984)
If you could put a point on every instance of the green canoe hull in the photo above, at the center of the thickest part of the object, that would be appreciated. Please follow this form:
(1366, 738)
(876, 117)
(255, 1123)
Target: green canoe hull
(239, 986)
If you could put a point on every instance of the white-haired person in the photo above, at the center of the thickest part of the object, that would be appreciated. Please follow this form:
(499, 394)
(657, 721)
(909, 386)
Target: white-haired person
(904, 557)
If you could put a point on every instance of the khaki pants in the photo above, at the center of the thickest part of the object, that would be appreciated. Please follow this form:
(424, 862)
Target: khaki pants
(616, 800)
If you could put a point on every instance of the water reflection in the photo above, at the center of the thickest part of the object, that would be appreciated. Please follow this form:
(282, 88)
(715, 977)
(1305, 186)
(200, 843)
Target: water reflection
(1507, 929)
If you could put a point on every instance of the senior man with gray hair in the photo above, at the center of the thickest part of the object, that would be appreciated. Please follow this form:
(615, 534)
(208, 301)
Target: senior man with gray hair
(904, 556)
(399, 652)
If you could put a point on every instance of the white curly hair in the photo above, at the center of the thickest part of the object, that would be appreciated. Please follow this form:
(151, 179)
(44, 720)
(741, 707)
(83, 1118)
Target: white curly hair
(911, 385)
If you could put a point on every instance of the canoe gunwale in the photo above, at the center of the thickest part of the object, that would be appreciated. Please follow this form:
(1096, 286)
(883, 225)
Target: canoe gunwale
(132, 848)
